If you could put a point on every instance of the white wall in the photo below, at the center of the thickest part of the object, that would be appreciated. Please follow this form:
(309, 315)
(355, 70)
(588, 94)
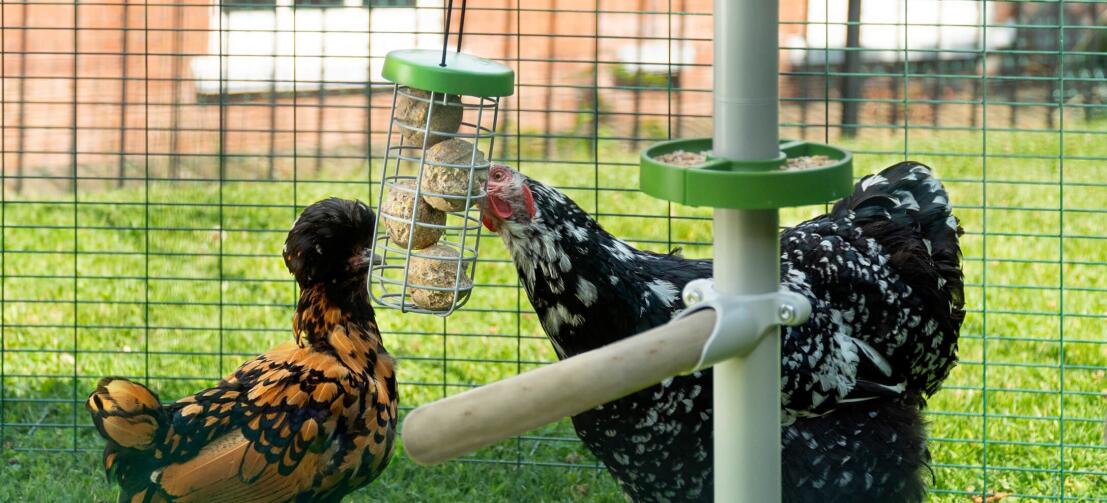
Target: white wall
(308, 48)
(890, 26)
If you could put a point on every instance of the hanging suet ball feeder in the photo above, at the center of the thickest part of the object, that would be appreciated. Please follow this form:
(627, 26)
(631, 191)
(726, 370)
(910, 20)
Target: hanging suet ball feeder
(442, 131)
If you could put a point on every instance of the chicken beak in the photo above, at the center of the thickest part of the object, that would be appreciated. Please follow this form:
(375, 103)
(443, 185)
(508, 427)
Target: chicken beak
(370, 258)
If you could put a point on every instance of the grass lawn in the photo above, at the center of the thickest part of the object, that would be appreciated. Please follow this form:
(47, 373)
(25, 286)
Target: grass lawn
(178, 282)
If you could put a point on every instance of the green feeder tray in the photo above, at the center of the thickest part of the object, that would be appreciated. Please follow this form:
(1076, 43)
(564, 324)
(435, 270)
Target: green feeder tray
(463, 74)
(723, 183)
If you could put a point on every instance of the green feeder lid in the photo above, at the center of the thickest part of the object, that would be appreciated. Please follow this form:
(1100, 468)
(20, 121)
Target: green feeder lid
(725, 183)
(463, 74)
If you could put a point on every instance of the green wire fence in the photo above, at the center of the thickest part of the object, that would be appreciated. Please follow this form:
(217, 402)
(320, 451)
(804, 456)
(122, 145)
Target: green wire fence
(155, 153)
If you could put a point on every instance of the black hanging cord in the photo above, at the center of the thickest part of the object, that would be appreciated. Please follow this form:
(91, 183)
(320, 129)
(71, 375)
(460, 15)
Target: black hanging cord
(446, 28)
(461, 25)
(446, 31)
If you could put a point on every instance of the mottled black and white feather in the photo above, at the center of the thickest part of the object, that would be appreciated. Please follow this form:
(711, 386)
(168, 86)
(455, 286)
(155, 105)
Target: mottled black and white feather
(882, 272)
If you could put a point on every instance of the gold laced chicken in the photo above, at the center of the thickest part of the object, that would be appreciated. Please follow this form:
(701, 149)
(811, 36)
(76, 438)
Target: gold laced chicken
(310, 420)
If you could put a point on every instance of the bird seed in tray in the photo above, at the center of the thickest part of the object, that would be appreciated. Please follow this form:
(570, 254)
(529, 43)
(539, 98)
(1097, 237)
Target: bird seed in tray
(806, 162)
(687, 159)
(683, 158)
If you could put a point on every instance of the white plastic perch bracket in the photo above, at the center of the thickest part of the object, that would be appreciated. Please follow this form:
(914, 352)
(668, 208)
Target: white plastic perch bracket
(741, 320)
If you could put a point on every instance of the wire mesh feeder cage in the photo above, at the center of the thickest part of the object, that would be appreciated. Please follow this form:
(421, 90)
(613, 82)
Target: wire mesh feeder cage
(442, 129)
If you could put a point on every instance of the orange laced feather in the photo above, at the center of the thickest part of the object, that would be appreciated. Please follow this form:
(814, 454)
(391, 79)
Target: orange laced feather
(240, 440)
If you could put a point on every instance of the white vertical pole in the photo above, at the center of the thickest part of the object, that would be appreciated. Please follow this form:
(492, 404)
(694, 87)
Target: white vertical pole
(747, 251)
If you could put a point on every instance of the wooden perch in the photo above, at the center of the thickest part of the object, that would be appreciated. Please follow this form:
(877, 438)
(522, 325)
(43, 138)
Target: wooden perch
(468, 421)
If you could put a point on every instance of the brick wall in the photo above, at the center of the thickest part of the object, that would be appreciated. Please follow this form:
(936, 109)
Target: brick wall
(125, 57)
(119, 76)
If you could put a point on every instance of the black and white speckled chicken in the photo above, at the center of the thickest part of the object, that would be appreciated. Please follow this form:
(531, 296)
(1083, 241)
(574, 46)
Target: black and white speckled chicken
(310, 420)
(882, 273)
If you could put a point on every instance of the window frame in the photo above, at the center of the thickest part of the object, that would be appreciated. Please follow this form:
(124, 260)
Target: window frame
(234, 5)
(389, 4)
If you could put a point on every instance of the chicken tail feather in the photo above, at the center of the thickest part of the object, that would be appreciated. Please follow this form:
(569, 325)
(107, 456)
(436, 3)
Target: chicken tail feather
(130, 417)
(126, 414)
(907, 211)
(907, 200)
